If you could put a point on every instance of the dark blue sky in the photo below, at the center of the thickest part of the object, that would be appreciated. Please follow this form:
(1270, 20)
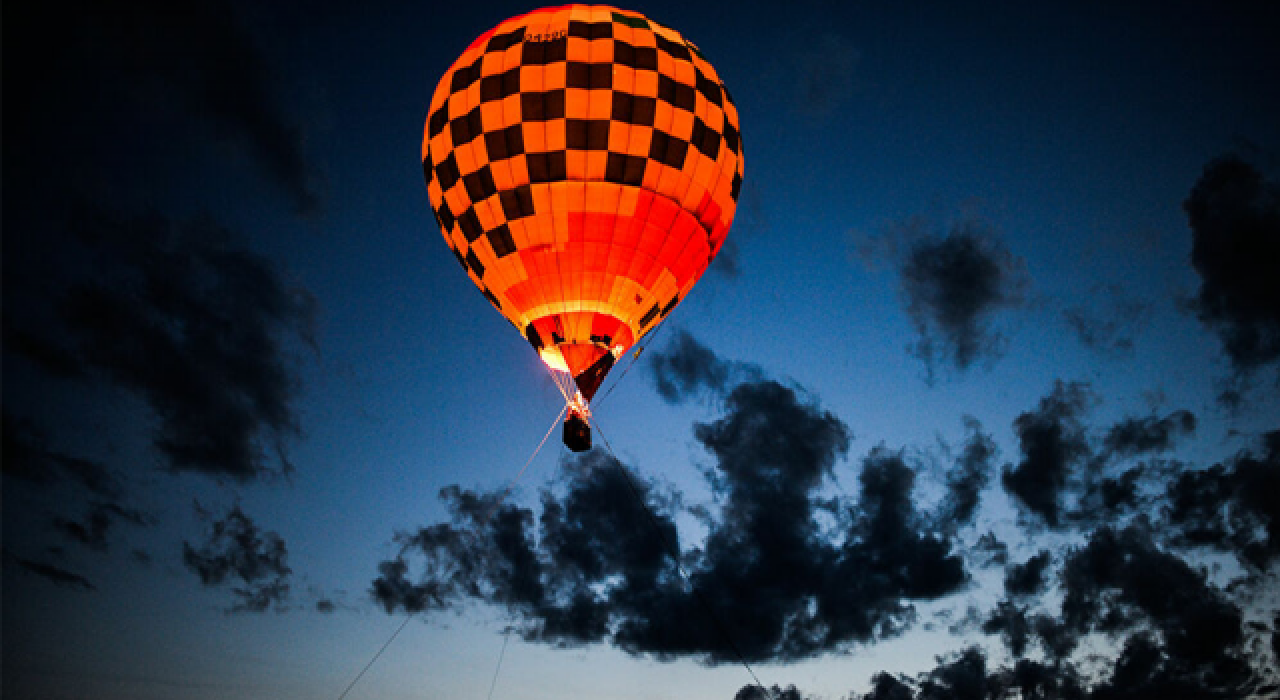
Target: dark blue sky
(240, 363)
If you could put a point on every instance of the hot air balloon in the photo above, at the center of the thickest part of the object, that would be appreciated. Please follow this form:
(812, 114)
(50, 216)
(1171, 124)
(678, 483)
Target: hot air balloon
(584, 164)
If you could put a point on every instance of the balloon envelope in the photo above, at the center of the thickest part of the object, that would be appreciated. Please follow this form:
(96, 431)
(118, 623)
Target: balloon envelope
(584, 164)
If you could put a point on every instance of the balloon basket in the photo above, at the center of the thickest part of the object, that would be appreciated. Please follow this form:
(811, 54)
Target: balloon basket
(577, 432)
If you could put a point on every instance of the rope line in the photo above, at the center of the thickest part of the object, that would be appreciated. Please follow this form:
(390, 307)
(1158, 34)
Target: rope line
(505, 638)
(675, 556)
(369, 665)
(511, 484)
(635, 357)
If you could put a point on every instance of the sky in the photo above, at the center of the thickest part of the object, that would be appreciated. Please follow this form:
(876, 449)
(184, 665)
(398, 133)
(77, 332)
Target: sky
(979, 400)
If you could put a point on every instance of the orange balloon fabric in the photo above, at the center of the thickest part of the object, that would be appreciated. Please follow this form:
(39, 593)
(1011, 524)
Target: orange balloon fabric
(584, 164)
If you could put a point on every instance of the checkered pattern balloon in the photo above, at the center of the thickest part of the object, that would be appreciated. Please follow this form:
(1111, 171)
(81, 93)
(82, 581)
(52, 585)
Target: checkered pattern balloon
(584, 165)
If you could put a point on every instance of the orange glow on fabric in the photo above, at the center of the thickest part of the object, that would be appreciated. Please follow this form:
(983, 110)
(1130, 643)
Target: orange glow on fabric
(584, 164)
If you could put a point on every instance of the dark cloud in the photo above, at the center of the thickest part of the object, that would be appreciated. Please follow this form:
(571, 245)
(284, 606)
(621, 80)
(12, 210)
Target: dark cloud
(687, 369)
(1104, 499)
(1120, 580)
(1110, 330)
(1009, 620)
(1275, 637)
(1144, 670)
(260, 597)
(54, 574)
(755, 692)
(1234, 214)
(1053, 443)
(728, 261)
(597, 536)
(887, 687)
(1039, 681)
(92, 531)
(27, 456)
(1030, 577)
(237, 550)
(1018, 627)
(1134, 436)
(600, 566)
(1232, 506)
(195, 325)
(97, 76)
(963, 678)
(968, 478)
(990, 551)
(954, 287)
(1104, 495)
(1178, 634)
(392, 589)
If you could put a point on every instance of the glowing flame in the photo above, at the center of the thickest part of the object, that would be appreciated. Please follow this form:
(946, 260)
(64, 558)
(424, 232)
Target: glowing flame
(553, 359)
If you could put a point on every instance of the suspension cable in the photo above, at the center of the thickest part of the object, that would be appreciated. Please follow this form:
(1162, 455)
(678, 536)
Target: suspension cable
(674, 552)
(506, 637)
(634, 358)
(484, 519)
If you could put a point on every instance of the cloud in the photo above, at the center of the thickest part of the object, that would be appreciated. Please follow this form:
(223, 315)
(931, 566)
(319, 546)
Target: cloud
(101, 73)
(687, 369)
(237, 550)
(968, 477)
(1134, 436)
(728, 261)
(1176, 633)
(260, 597)
(1232, 506)
(598, 566)
(990, 551)
(1187, 638)
(1009, 620)
(1018, 627)
(195, 325)
(92, 532)
(755, 692)
(954, 287)
(888, 687)
(1104, 499)
(963, 677)
(26, 456)
(1110, 330)
(1028, 578)
(1146, 668)
(1053, 443)
(1234, 214)
(51, 573)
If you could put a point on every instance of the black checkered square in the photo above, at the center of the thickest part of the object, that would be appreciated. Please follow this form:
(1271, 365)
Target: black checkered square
(668, 150)
(496, 87)
(501, 241)
(587, 134)
(624, 169)
(632, 109)
(541, 106)
(504, 144)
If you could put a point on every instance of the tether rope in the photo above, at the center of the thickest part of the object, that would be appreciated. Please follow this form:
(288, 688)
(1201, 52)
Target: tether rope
(635, 357)
(506, 637)
(479, 523)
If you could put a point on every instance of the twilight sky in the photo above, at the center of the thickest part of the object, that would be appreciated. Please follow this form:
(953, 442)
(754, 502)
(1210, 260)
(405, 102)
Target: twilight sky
(979, 401)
